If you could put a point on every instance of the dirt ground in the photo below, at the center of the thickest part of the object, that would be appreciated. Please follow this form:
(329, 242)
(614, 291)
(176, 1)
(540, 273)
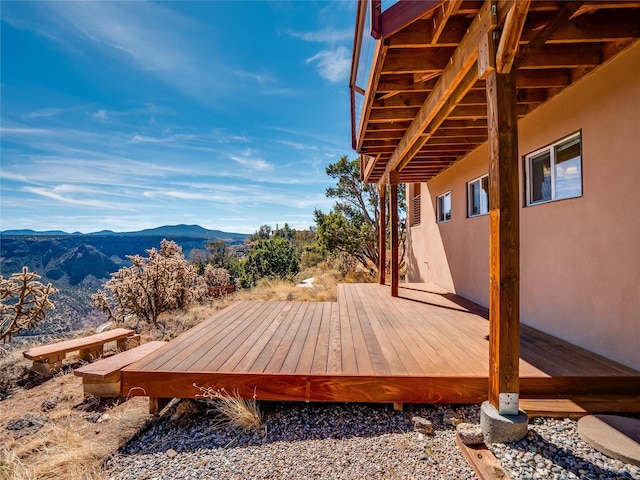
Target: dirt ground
(50, 431)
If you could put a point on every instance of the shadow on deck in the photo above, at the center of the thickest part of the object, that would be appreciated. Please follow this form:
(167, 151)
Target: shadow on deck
(428, 346)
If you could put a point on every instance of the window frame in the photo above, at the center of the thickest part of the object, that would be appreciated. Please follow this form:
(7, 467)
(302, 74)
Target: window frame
(416, 205)
(551, 150)
(479, 179)
(440, 218)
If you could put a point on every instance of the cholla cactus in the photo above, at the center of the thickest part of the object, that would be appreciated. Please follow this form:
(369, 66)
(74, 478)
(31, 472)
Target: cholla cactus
(161, 282)
(23, 302)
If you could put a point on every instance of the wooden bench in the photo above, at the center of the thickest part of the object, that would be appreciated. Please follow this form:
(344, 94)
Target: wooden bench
(102, 378)
(47, 359)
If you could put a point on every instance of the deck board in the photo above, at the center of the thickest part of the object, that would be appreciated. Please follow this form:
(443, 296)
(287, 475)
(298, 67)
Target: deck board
(426, 346)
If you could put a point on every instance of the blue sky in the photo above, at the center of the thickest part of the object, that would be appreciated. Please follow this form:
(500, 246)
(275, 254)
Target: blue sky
(131, 115)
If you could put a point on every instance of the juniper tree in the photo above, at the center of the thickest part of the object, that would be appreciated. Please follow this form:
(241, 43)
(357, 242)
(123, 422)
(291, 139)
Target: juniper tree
(351, 227)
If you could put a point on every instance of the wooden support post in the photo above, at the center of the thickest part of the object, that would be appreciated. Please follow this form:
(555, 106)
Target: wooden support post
(393, 217)
(382, 235)
(91, 354)
(504, 243)
(156, 405)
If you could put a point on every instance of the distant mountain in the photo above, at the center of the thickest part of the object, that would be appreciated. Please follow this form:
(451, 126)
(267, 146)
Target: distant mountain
(173, 231)
(47, 233)
(78, 264)
(71, 258)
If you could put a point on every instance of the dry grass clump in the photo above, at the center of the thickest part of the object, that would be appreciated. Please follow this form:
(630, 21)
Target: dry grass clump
(68, 446)
(58, 451)
(12, 468)
(179, 321)
(233, 410)
(323, 289)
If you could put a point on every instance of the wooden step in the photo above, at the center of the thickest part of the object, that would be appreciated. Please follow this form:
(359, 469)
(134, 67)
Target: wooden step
(579, 406)
(102, 378)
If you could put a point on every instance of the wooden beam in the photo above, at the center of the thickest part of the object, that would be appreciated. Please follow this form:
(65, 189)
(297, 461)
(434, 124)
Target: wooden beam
(412, 60)
(441, 17)
(382, 235)
(452, 76)
(510, 36)
(545, 34)
(564, 55)
(403, 82)
(603, 26)
(401, 14)
(420, 34)
(393, 114)
(393, 215)
(379, 55)
(483, 461)
(446, 109)
(504, 242)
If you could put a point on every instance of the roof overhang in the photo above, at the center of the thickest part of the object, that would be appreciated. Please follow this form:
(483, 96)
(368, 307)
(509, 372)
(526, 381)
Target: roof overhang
(424, 106)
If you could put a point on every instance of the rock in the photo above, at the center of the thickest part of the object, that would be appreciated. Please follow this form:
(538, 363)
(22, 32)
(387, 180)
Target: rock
(171, 453)
(451, 418)
(93, 417)
(422, 425)
(49, 404)
(184, 409)
(470, 434)
(26, 425)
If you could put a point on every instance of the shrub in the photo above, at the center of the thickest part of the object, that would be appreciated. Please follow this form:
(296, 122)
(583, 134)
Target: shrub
(23, 301)
(272, 258)
(216, 277)
(161, 282)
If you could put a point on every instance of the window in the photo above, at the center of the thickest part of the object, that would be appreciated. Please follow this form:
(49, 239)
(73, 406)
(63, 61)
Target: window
(443, 207)
(415, 205)
(478, 196)
(555, 172)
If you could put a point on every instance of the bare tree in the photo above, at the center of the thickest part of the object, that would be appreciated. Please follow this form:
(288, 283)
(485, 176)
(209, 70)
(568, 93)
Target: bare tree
(161, 282)
(23, 303)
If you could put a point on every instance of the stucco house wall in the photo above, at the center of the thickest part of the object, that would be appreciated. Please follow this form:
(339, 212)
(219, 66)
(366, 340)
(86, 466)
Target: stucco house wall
(580, 257)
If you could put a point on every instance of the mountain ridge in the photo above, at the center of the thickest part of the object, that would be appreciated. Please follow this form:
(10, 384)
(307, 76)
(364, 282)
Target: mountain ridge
(180, 230)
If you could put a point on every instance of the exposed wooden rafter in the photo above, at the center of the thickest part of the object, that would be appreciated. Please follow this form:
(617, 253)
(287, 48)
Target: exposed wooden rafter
(550, 28)
(420, 96)
(510, 37)
(441, 17)
(457, 70)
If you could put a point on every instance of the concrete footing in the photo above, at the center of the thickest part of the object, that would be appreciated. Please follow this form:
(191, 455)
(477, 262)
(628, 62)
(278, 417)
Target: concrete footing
(502, 428)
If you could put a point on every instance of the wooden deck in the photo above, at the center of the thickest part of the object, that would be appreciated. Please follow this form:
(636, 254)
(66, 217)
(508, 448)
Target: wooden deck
(427, 346)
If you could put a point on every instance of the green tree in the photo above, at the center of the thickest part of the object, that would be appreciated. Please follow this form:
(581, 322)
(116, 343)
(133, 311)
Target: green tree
(23, 301)
(263, 233)
(285, 232)
(273, 257)
(351, 226)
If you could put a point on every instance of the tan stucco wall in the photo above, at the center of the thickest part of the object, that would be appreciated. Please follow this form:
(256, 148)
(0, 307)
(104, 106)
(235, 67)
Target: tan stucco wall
(580, 258)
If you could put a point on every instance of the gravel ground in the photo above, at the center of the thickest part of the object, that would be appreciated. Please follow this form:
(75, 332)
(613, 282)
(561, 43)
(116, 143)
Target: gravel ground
(351, 441)
(554, 450)
(301, 442)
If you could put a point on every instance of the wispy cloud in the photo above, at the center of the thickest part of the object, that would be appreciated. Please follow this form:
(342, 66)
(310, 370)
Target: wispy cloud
(333, 65)
(297, 145)
(100, 115)
(73, 195)
(148, 36)
(48, 112)
(328, 35)
(249, 160)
